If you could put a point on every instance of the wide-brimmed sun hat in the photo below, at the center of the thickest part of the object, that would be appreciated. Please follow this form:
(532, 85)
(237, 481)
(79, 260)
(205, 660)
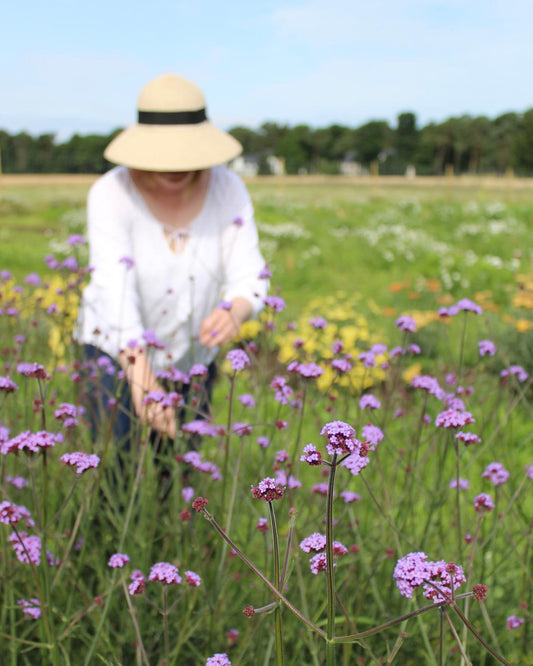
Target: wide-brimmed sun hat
(172, 132)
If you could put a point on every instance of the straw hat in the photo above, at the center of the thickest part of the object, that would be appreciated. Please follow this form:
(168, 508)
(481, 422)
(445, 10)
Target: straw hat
(172, 132)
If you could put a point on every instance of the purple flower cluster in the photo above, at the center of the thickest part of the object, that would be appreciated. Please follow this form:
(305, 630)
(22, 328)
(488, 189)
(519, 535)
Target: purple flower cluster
(200, 427)
(11, 514)
(268, 489)
(341, 438)
(439, 579)
(81, 461)
(238, 359)
(516, 371)
(31, 607)
(194, 459)
(311, 455)
(218, 659)
(32, 442)
(283, 392)
(453, 418)
(406, 323)
(497, 473)
(275, 303)
(118, 561)
(165, 573)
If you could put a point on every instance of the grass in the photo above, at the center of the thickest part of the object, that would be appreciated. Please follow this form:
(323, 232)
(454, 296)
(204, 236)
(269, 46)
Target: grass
(359, 255)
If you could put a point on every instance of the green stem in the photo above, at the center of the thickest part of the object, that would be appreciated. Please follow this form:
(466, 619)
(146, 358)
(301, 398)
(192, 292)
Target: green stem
(277, 583)
(330, 568)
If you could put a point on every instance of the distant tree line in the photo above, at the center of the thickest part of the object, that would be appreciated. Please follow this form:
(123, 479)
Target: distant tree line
(469, 144)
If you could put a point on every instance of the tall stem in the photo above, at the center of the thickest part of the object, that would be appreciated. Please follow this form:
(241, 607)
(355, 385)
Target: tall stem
(330, 571)
(277, 583)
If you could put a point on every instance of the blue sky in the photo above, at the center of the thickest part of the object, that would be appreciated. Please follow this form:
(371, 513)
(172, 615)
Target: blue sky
(70, 66)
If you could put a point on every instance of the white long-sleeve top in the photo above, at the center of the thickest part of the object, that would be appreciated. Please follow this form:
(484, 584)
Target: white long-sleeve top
(166, 292)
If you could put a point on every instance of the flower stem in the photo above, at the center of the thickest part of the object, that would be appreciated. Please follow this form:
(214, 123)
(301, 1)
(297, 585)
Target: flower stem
(277, 582)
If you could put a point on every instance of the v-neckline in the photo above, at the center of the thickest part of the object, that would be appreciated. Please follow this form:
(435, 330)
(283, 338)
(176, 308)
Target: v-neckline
(163, 227)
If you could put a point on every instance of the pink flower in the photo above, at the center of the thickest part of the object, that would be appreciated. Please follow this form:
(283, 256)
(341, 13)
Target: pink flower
(264, 442)
(486, 348)
(31, 607)
(198, 370)
(283, 391)
(7, 385)
(27, 548)
(200, 427)
(81, 461)
(341, 438)
(315, 542)
(165, 573)
(429, 384)
(468, 438)
(514, 622)
(309, 370)
(406, 323)
(118, 561)
(319, 562)
(194, 459)
(318, 322)
(453, 418)
(192, 579)
(31, 442)
(247, 400)
(319, 489)
(268, 489)
(368, 359)
(355, 463)
(464, 484)
(466, 305)
(187, 494)
(483, 503)
(138, 583)
(497, 473)
(349, 496)
(341, 365)
(11, 514)
(369, 401)
(262, 525)
(516, 370)
(32, 370)
(238, 359)
(151, 339)
(372, 435)
(311, 455)
(276, 303)
(242, 429)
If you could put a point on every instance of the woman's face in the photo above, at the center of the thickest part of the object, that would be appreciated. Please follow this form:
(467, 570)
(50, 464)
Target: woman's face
(166, 182)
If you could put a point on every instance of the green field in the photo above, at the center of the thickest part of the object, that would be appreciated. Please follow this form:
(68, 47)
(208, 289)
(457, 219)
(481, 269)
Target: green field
(359, 254)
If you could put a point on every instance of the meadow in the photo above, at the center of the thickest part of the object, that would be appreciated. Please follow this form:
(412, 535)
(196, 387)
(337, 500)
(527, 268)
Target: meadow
(363, 490)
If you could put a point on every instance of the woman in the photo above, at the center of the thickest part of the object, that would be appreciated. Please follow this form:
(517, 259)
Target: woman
(173, 246)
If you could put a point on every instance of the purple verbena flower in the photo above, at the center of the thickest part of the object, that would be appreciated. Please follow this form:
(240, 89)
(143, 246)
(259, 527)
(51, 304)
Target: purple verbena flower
(151, 339)
(268, 489)
(311, 455)
(406, 323)
(238, 359)
(192, 579)
(200, 427)
(163, 572)
(513, 622)
(349, 496)
(275, 303)
(453, 418)
(31, 607)
(486, 348)
(483, 503)
(81, 461)
(7, 385)
(464, 484)
(32, 370)
(247, 400)
(318, 322)
(497, 473)
(27, 548)
(315, 542)
(466, 305)
(369, 401)
(341, 438)
(218, 659)
(118, 561)
(516, 370)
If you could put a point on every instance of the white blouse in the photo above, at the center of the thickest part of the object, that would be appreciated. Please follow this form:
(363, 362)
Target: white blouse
(163, 291)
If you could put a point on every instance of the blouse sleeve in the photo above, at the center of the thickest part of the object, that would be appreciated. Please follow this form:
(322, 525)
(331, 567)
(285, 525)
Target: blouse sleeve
(111, 301)
(242, 258)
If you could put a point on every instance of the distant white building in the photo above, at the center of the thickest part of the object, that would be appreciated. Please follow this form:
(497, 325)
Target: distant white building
(247, 166)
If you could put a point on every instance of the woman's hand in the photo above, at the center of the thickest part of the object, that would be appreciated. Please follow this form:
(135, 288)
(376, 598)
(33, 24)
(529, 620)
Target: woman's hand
(223, 325)
(162, 419)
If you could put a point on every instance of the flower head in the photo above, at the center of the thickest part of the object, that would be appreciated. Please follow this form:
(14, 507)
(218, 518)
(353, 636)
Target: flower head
(341, 438)
(31, 607)
(483, 503)
(369, 401)
(497, 473)
(275, 303)
(218, 659)
(268, 489)
(165, 573)
(311, 455)
(516, 370)
(406, 323)
(513, 622)
(486, 348)
(81, 461)
(118, 561)
(453, 418)
(466, 305)
(238, 359)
